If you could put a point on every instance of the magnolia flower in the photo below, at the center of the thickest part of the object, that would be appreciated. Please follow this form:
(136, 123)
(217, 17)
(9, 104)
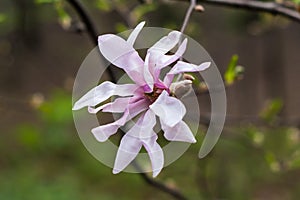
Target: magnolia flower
(148, 97)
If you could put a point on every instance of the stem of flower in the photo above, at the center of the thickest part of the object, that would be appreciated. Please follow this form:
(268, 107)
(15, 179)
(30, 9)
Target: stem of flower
(188, 15)
(183, 27)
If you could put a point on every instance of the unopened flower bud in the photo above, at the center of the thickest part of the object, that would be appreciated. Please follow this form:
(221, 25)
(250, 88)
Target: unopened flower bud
(181, 88)
(188, 77)
(199, 8)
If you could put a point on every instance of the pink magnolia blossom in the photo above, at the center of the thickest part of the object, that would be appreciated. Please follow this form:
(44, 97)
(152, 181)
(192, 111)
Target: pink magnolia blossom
(148, 97)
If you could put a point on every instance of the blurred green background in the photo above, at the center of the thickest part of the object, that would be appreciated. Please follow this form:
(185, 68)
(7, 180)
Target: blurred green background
(42, 44)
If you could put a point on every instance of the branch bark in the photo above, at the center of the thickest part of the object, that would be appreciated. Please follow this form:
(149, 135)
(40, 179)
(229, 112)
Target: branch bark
(89, 27)
(260, 6)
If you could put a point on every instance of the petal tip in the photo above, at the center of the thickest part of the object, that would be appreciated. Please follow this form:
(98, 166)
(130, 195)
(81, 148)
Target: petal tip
(76, 107)
(155, 174)
(99, 137)
(116, 171)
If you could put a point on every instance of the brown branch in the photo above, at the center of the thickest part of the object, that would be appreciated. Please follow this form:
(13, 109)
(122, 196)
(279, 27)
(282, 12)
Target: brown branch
(269, 7)
(159, 185)
(89, 27)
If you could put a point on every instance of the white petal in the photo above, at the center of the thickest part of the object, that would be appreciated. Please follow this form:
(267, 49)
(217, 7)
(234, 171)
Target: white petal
(162, 61)
(166, 43)
(168, 59)
(117, 106)
(147, 75)
(102, 92)
(143, 128)
(180, 132)
(155, 153)
(103, 132)
(133, 35)
(120, 53)
(169, 109)
(181, 67)
(128, 150)
(141, 133)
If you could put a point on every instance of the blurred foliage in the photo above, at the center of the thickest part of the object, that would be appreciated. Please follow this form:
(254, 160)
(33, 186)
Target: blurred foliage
(104, 5)
(249, 162)
(2, 17)
(271, 111)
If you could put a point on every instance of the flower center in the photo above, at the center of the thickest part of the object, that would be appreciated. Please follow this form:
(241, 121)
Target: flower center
(152, 96)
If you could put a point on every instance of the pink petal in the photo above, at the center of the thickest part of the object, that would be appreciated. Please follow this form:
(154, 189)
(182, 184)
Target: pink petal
(181, 67)
(103, 132)
(155, 153)
(169, 59)
(140, 134)
(128, 150)
(166, 43)
(160, 48)
(120, 53)
(169, 109)
(147, 74)
(133, 35)
(102, 92)
(117, 106)
(143, 128)
(180, 132)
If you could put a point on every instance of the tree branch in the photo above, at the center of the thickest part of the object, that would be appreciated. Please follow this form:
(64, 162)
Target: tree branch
(269, 7)
(156, 184)
(89, 27)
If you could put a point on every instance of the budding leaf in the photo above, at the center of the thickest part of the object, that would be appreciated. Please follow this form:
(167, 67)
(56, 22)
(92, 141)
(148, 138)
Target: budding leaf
(271, 111)
(231, 72)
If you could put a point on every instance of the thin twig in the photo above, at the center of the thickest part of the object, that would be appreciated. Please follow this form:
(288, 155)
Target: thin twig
(175, 193)
(188, 15)
(269, 7)
(89, 27)
(184, 24)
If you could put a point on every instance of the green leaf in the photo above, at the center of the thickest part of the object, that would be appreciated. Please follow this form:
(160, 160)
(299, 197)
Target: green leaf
(296, 1)
(64, 18)
(233, 70)
(271, 111)
(272, 161)
(104, 5)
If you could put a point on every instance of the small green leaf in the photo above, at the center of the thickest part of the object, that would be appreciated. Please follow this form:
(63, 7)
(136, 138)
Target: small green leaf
(233, 71)
(64, 18)
(272, 161)
(271, 111)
